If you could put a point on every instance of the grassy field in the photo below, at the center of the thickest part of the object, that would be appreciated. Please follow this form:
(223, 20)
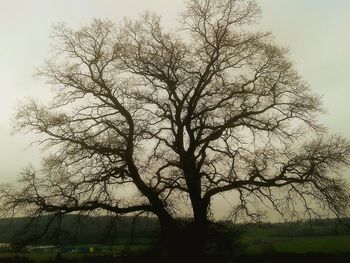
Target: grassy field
(252, 246)
(256, 240)
(300, 245)
(100, 250)
(294, 238)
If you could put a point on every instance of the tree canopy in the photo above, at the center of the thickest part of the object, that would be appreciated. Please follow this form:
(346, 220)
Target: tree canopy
(150, 120)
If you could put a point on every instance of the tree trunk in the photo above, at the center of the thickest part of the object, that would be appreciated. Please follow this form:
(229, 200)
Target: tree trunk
(199, 227)
(184, 242)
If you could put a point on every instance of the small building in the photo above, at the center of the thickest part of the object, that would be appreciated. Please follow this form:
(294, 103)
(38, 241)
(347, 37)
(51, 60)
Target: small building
(5, 245)
(45, 249)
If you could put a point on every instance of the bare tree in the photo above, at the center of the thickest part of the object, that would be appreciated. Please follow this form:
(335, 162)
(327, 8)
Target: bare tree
(161, 122)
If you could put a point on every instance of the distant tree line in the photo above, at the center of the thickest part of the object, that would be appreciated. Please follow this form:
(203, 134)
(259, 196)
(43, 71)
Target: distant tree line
(74, 229)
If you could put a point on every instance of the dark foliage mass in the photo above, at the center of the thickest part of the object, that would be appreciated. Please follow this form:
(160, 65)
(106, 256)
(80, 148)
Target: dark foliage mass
(145, 120)
(223, 244)
(80, 230)
(71, 229)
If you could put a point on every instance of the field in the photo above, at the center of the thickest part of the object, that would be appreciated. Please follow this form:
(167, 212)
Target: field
(251, 246)
(295, 238)
(300, 245)
(255, 241)
(116, 250)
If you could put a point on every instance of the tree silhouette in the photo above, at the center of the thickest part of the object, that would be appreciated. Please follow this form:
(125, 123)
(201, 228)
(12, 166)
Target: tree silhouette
(149, 120)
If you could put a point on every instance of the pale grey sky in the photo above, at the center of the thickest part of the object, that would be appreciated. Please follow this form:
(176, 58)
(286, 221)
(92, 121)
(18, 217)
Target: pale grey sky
(317, 32)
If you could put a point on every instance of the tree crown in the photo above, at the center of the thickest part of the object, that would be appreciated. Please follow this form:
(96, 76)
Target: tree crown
(177, 118)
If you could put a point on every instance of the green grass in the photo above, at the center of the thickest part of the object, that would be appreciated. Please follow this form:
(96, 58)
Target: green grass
(320, 244)
(39, 257)
(255, 240)
(99, 250)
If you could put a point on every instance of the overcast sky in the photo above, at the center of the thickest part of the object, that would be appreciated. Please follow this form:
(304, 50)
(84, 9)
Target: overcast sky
(317, 32)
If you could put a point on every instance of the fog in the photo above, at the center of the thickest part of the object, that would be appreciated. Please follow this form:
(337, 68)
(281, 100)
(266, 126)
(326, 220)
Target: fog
(316, 32)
